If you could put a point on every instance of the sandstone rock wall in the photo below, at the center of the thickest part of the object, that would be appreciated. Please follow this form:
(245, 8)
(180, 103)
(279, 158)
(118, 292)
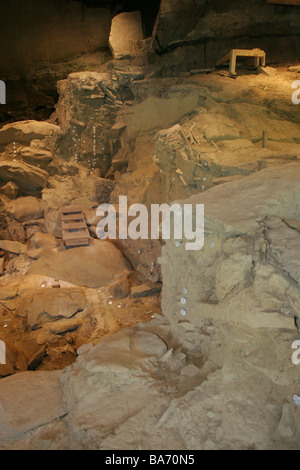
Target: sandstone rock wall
(247, 271)
(206, 31)
(139, 389)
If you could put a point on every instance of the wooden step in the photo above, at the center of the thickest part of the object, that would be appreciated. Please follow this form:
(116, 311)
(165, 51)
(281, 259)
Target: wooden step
(76, 235)
(73, 225)
(71, 210)
(75, 232)
(77, 243)
(73, 217)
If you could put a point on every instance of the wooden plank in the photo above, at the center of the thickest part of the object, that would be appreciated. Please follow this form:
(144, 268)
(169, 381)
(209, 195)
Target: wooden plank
(242, 53)
(73, 217)
(76, 235)
(249, 52)
(73, 225)
(78, 242)
(224, 59)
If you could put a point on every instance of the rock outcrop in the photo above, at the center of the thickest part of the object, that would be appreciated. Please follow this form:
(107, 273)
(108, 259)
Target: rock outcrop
(43, 389)
(87, 111)
(28, 178)
(25, 208)
(247, 270)
(47, 305)
(126, 29)
(138, 389)
(221, 29)
(92, 266)
(26, 131)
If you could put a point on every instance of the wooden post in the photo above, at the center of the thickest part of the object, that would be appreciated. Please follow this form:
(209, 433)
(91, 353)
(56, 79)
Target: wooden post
(256, 62)
(232, 66)
(265, 139)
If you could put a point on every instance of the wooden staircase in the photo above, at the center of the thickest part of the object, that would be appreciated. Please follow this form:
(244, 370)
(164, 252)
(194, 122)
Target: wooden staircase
(74, 228)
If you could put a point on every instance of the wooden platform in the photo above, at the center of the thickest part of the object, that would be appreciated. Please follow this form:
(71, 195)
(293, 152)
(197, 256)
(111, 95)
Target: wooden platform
(258, 55)
(74, 229)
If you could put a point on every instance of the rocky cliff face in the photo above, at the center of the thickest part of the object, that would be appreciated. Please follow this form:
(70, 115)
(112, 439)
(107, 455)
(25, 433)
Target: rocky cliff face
(42, 43)
(206, 31)
(248, 254)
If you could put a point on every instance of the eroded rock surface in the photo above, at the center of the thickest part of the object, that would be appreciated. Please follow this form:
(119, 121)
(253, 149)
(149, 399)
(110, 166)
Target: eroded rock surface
(92, 266)
(126, 28)
(129, 392)
(247, 269)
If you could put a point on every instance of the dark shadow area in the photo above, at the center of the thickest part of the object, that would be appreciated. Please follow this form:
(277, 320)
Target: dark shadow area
(43, 42)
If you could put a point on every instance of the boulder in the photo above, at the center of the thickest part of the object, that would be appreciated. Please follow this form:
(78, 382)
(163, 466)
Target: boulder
(190, 370)
(12, 247)
(36, 156)
(29, 400)
(26, 177)
(25, 208)
(47, 305)
(92, 266)
(16, 230)
(9, 190)
(158, 325)
(25, 355)
(26, 131)
(43, 240)
(126, 28)
(15, 361)
(34, 253)
(144, 344)
(120, 288)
